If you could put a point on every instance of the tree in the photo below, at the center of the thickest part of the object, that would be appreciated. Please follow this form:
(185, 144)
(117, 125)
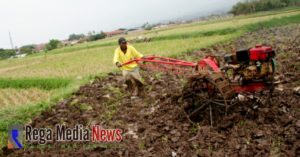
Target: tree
(53, 44)
(6, 53)
(75, 37)
(291, 2)
(97, 36)
(90, 33)
(147, 26)
(28, 49)
(250, 6)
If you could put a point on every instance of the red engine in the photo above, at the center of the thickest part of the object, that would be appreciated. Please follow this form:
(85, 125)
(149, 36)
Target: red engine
(261, 53)
(251, 65)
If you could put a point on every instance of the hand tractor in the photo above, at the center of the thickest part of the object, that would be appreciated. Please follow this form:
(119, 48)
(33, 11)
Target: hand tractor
(209, 85)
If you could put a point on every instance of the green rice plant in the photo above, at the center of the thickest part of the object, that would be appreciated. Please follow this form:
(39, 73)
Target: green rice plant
(274, 22)
(41, 83)
(195, 34)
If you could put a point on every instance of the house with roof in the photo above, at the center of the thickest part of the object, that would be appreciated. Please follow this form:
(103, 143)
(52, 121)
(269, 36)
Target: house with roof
(115, 32)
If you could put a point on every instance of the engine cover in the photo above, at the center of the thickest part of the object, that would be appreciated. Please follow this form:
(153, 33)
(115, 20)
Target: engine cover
(261, 53)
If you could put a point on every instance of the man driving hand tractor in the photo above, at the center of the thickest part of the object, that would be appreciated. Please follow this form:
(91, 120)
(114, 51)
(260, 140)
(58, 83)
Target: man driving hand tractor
(132, 77)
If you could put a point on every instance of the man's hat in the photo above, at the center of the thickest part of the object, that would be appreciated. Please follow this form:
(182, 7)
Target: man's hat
(122, 40)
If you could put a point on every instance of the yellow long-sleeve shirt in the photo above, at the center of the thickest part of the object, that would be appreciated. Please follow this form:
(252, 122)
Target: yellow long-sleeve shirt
(131, 54)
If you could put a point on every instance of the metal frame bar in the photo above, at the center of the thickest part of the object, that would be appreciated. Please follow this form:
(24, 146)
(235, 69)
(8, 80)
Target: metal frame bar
(163, 60)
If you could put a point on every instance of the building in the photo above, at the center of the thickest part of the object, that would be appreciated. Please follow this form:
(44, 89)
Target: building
(39, 47)
(116, 32)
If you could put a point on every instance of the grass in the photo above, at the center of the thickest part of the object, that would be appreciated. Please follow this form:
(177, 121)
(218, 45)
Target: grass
(41, 83)
(274, 22)
(16, 97)
(22, 91)
(236, 22)
(195, 34)
(19, 115)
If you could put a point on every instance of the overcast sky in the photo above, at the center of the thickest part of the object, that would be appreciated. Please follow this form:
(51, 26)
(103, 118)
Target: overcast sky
(37, 21)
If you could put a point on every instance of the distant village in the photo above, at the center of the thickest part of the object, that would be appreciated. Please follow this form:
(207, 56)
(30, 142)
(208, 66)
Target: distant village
(94, 36)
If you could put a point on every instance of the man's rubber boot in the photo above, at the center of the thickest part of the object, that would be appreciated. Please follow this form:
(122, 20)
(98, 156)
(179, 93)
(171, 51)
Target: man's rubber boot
(129, 86)
(142, 92)
(135, 92)
(140, 87)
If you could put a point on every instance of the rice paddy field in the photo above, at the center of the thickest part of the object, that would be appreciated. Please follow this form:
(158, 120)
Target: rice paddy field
(31, 84)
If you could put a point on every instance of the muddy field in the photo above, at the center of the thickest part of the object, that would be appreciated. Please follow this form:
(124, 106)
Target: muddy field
(156, 125)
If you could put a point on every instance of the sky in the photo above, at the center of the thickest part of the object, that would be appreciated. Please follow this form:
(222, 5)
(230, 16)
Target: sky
(38, 21)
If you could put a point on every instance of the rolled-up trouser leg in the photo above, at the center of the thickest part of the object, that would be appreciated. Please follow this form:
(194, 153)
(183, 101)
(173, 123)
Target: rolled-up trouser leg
(135, 78)
(128, 81)
(138, 81)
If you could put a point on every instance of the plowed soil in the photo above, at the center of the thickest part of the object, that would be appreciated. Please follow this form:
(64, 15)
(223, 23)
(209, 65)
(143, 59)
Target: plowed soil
(155, 125)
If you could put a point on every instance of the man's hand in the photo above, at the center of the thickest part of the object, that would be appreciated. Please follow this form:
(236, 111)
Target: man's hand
(119, 65)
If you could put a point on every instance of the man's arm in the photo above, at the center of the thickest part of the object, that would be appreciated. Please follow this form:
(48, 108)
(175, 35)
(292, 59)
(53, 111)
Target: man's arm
(116, 59)
(136, 53)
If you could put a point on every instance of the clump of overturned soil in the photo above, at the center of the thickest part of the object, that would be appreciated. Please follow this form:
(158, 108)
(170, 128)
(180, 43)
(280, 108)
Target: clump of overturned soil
(156, 125)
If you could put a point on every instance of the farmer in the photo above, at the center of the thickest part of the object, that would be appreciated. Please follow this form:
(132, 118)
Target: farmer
(132, 77)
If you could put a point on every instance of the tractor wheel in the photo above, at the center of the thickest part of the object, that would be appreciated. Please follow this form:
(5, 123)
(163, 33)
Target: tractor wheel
(207, 97)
